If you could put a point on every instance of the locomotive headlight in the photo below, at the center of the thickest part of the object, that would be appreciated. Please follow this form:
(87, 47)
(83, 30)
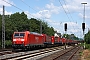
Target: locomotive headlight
(14, 39)
(22, 39)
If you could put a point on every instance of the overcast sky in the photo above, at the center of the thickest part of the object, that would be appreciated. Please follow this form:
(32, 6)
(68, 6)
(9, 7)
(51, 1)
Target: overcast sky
(55, 12)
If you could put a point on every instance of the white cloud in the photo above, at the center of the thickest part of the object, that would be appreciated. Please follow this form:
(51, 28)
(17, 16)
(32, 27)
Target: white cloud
(80, 14)
(75, 5)
(87, 16)
(72, 24)
(56, 29)
(42, 14)
(52, 8)
(47, 12)
(6, 13)
(73, 27)
(2, 2)
(49, 21)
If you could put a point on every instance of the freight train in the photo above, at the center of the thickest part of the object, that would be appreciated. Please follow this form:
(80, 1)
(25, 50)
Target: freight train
(27, 40)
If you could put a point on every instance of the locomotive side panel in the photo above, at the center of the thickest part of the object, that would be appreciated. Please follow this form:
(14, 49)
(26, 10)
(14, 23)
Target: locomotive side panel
(35, 39)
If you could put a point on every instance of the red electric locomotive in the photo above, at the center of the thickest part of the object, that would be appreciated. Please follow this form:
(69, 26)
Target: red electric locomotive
(27, 40)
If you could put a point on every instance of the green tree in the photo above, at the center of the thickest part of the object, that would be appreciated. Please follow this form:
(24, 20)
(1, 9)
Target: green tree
(87, 37)
(50, 31)
(19, 21)
(71, 36)
(66, 36)
(34, 25)
(0, 27)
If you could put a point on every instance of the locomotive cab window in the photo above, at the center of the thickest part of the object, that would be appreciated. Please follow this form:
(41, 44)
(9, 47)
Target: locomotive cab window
(22, 34)
(16, 34)
(19, 35)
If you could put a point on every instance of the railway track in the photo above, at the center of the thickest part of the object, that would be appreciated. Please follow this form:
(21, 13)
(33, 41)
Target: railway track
(66, 54)
(29, 55)
(5, 52)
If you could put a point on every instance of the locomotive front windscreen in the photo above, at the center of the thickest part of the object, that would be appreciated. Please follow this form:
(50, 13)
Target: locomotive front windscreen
(19, 35)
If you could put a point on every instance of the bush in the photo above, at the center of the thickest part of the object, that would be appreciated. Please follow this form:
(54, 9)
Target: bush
(81, 44)
(87, 46)
(8, 43)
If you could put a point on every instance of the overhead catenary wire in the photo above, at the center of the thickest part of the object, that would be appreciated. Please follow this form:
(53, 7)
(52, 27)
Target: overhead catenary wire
(67, 13)
(12, 5)
(36, 11)
(32, 8)
(28, 5)
(68, 10)
(18, 8)
(64, 10)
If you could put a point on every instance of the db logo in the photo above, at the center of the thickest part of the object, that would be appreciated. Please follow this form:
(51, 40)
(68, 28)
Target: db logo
(18, 39)
(37, 38)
